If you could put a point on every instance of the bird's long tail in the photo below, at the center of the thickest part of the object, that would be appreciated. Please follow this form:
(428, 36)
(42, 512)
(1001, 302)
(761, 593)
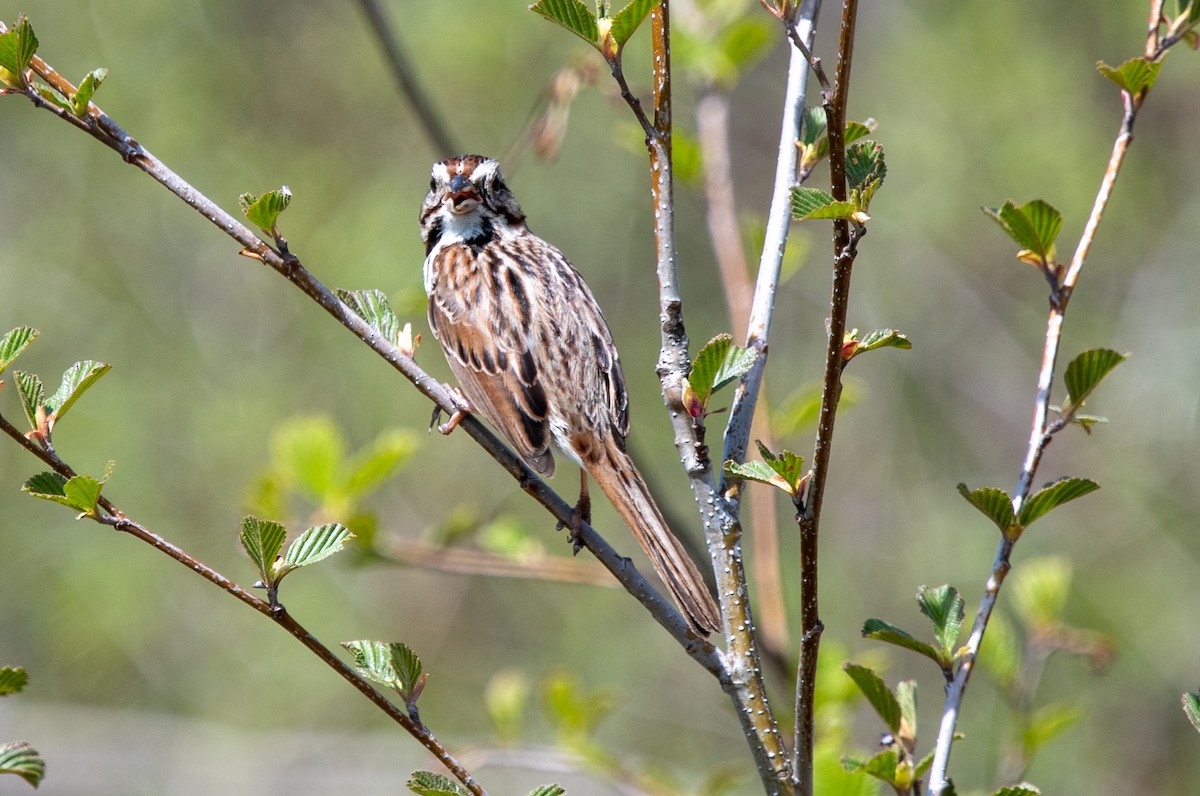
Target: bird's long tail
(623, 485)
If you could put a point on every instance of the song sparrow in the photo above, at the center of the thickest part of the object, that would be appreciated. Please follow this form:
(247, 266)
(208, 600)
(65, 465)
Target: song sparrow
(532, 352)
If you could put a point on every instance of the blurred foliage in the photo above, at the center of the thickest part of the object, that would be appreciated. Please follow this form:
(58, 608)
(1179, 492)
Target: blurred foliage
(977, 103)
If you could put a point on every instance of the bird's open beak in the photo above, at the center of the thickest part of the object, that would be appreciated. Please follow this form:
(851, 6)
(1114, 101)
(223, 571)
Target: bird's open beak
(463, 196)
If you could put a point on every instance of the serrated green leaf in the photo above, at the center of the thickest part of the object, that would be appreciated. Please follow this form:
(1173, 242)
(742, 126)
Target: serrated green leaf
(373, 307)
(87, 89)
(54, 98)
(263, 211)
(31, 393)
(1034, 225)
(315, 544)
(1086, 371)
(906, 698)
(889, 633)
(1040, 588)
(572, 15)
(1052, 496)
(718, 364)
(945, 609)
(1024, 789)
(14, 343)
(309, 453)
(377, 462)
(262, 541)
(77, 380)
(809, 203)
(79, 493)
(758, 471)
(995, 504)
(877, 338)
(12, 680)
(865, 163)
(1137, 75)
(407, 667)
(877, 693)
(17, 48)
(629, 18)
(1191, 708)
(789, 466)
(391, 664)
(548, 790)
(426, 783)
(882, 766)
(23, 760)
(859, 130)
(815, 124)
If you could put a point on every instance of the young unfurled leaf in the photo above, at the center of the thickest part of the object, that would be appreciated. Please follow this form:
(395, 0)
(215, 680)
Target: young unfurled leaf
(391, 664)
(627, 20)
(87, 89)
(852, 346)
(262, 541)
(315, 544)
(23, 760)
(995, 504)
(784, 470)
(80, 492)
(572, 15)
(263, 211)
(548, 790)
(77, 380)
(1052, 496)
(877, 693)
(14, 343)
(1191, 708)
(883, 631)
(373, 307)
(882, 766)
(865, 165)
(718, 364)
(1136, 76)
(906, 698)
(1034, 226)
(17, 47)
(809, 203)
(32, 395)
(944, 607)
(12, 680)
(1086, 371)
(426, 783)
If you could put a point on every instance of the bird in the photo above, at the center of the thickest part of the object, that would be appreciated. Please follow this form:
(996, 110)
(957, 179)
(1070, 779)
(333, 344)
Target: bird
(527, 342)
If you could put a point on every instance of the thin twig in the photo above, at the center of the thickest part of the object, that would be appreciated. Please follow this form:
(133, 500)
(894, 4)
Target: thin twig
(422, 106)
(1040, 435)
(120, 521)
(105, 130)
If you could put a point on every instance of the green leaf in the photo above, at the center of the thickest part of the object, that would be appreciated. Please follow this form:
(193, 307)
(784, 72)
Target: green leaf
(995, 504)
(12, 680)
(263, 211)
(876, 338)
(719, 363)
(548, 790)
(23, 760)
(815, 124)
(505, 697)
(54, 98)
(373, 307)
(857, 130)
(784, 470)
(87, 89)
(1136, 76)
(575, 713)
(882, 766)
(758, 471)
(309, 453)
(426, 783)
(1000, 652)
(1086, 371)
(14, 343)
(906, 698)
(391, 664)
(17, 47)
(629, 18)
(31, 393)
(1024, 789)
(374, 464)
(79, 493)
(1047, 723)
(877, 693)
(1033, 225)
(315, 544)
(78, 379)
(1191, 708)
(883, 631)
(809, 203)
(1040, 588)
(572, 15)
(262, 541)
(1052, 496)
(945, 608)
(865, 164)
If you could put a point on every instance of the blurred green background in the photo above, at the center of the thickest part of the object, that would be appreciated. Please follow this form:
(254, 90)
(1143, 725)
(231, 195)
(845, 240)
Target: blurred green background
(145, 680)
